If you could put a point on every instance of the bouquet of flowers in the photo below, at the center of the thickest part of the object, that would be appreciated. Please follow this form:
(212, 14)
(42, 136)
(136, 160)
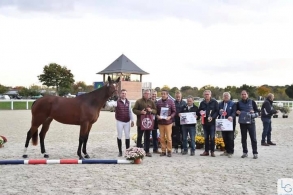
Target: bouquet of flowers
(3, 140)
(133, 153)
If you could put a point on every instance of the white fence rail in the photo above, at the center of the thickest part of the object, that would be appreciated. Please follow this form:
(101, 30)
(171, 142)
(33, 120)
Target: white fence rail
(13, 101)
(259, 103)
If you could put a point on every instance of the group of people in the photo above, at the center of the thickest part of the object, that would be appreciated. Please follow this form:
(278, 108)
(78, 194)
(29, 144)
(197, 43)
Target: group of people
(208, 111)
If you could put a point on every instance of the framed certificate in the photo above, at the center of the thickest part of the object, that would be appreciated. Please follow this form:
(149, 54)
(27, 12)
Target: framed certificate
(164, 112)
(224, 125)
(188, 118)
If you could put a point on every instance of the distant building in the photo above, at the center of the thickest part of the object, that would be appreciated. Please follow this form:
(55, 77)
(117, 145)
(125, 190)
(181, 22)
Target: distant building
(130, 75)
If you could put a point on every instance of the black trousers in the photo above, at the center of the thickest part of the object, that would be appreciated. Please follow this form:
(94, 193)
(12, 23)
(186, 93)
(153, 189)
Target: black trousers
(147, 134)
(228, 137)
(250, 128)
(177, 136)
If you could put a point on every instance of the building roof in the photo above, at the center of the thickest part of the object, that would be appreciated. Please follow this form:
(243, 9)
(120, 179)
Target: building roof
(123, 65)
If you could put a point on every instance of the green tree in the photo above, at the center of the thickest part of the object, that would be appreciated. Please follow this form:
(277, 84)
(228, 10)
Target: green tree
(289, 91)
(173, 91)
(3, 89)
(24, 92)
(158, 89)
(185, 88)
(250, 90)
(57, 76)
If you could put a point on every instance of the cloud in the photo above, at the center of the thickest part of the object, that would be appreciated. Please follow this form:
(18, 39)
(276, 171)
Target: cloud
(205, 12)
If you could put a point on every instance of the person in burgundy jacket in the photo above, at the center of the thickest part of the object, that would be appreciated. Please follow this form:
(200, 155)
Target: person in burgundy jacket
(166, 111)
(123, 115)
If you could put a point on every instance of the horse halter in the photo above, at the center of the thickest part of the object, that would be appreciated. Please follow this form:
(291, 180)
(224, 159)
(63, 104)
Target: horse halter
(114, 96)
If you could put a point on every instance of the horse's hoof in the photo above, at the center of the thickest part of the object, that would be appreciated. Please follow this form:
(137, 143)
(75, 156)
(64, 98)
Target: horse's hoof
(81, 158)
(86, 156)
(24, 156)
(46, 156)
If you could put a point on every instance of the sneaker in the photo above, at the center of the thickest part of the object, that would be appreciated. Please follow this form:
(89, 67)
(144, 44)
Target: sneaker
(224, 154)
(148, 154)
(120, 154)
(176, 150)
(265, 144)
(205, 154)
(184, 152)
(271, 143)
(169, 154)
(213, 154)
(163, 154)
(244, 155)
(255, 156)
(229, 155)
(192, 153)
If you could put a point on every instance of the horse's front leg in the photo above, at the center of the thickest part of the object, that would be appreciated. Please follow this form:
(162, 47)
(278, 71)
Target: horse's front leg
(82, 138)
(85, 142)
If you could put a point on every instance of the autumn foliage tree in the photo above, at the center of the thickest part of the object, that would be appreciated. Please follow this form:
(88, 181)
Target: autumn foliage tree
(263, 90)
(57, 76)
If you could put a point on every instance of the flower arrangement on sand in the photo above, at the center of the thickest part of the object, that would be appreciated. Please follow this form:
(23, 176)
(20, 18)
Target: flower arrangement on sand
(134, 153)
(219, 142)
(3, 140)
(199, 139)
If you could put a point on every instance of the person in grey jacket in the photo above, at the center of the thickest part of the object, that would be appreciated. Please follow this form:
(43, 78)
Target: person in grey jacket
(267, 110)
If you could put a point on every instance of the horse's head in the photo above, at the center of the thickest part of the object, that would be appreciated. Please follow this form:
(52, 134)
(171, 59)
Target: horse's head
(113, 88)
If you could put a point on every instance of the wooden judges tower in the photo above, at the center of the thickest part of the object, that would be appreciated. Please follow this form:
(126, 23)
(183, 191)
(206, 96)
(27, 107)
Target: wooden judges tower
(130, 76)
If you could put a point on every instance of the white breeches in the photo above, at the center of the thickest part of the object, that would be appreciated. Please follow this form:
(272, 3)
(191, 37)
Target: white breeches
(122, 126)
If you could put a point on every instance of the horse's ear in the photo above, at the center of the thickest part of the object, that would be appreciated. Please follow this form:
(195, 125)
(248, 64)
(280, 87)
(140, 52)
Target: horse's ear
(117, 80)
(109, 79)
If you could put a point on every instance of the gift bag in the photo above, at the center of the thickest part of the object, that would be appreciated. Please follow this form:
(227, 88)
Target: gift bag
(147, 122)
(244, 118)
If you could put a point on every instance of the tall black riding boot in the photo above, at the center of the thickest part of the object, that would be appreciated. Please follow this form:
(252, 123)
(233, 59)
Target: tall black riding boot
(127, 143)
(119, 142)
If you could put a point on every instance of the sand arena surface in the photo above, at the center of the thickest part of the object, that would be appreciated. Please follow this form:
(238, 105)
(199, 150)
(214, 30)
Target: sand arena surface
(156, 175)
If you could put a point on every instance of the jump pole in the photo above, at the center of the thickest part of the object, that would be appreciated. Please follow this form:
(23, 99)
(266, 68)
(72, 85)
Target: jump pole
(62, 161)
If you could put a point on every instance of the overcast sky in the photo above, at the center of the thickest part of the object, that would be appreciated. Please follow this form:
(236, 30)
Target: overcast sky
(184, 42)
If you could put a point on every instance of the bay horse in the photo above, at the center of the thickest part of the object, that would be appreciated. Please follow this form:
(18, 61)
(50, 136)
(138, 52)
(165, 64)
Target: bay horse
(82, 110)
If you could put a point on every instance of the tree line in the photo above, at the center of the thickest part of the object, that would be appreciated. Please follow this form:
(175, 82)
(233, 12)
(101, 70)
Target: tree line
(59, 79)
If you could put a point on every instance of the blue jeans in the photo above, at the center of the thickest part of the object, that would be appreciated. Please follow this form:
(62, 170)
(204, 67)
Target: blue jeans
(186, 129)
(209, 137)
(267, 129)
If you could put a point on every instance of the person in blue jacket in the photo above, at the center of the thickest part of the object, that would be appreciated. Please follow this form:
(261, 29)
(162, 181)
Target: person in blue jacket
(227, 110)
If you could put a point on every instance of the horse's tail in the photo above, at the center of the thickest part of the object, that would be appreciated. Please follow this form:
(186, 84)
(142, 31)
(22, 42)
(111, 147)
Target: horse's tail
(35, 138)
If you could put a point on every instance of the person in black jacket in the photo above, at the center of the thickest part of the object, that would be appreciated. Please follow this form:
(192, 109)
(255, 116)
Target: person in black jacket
(189, 128)
(247, 111)
(177, 128)
(267, 111)
(209, 108)
(155, 131)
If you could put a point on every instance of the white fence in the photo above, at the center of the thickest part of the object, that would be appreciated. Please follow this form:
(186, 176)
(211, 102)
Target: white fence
(259, 103)
(12, 101)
